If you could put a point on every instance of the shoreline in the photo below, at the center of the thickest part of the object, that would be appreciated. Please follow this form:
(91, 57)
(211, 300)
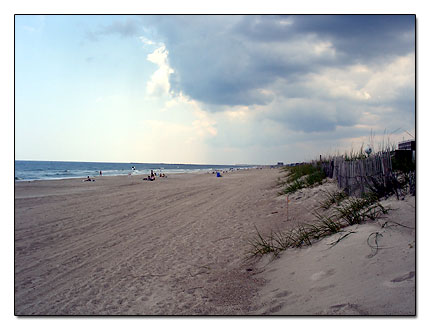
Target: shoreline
(144, 174)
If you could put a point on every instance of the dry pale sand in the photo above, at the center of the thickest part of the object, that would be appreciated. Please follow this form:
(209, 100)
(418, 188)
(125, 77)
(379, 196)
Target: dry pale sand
(366, 269)
(122, 245)
(177, 246)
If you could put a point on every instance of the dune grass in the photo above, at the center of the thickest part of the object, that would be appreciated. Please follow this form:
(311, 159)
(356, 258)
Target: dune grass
(357, 210)
(333, 198)
(301, 176)
(342, 212)
(338, 209)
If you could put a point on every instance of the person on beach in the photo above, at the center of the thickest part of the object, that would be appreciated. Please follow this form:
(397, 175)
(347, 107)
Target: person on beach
(88, 179)
(100, 173)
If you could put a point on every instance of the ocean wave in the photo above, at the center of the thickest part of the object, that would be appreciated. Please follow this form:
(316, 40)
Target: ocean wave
(38, 170)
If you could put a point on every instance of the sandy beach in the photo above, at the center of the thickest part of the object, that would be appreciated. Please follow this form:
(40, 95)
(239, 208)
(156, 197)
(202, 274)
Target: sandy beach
(122, 245)
(178, 246)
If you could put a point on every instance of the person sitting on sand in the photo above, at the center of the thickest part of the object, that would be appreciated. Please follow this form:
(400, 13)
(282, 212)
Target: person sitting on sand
(88, 179)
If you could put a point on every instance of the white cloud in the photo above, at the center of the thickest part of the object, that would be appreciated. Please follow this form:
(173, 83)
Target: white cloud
(300, 51)
(159, 84)
(268, 86)
(387, 81)
(324, 48)
(203, 124)
(238, 113)
(362, 83)
(147, 41)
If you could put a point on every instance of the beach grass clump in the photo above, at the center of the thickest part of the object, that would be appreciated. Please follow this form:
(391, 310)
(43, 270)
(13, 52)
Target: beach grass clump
(315, 178)
(263, 245)
(356, 210)
(327, 225)
(350, 211)
(301, 176)
(382, 187)
(301, 235)
(355, 155)
(298, 171)
(397, 183)
(333, 198)
(292, 187)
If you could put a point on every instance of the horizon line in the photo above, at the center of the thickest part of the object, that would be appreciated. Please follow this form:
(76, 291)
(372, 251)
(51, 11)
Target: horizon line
(133, 162)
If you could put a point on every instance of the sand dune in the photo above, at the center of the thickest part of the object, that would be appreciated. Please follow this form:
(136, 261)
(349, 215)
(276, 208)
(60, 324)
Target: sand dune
(366, 269)
(353, 277)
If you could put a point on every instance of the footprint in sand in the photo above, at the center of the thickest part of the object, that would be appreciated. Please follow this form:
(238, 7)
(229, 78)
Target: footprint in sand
(322, 275)
(323, 288)
(275, 308)
(345, 309)
(404, 277)
(282, 294)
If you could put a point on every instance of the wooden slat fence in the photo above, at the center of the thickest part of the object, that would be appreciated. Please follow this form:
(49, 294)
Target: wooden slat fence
(355, 176)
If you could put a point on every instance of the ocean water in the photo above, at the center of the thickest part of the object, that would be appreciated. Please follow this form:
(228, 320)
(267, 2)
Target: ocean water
(40, 170)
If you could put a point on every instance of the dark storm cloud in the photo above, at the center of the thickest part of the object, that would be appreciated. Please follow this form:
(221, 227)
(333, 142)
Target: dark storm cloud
(227, 60)
(314, 116)
(363, 37)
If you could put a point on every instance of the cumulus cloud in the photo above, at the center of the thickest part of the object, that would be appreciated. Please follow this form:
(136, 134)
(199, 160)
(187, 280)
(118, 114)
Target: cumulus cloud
(230, 60)
(274, 79)
(159, 84)
(335, 97)
(393, 80)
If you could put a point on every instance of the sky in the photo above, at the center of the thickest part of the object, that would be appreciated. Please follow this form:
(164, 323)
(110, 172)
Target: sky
(211, 89)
